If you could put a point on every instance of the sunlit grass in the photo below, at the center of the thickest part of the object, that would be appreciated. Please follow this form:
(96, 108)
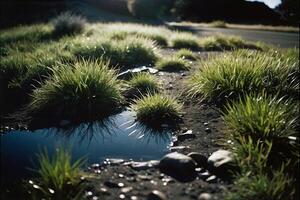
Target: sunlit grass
(235, 74)
(143, 84)
(122, 30)
(185, 54)
(87, 89)
(128, 53)
(157, 109)
(183, 40)
(262, 117)
(172, 64)
(58, 176)
(222, 42)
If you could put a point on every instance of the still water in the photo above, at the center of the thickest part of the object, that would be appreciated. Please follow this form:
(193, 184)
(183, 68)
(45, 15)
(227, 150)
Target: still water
(119, 136)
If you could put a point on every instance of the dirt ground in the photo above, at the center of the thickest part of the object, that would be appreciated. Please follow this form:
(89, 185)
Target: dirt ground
(207, 125)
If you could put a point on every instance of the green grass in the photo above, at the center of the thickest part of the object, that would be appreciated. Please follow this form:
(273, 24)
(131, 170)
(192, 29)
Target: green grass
(185, 54)
(222, 42)
(262, 187)
(157, 109)
(236, 74)
(86, 90)
(172, 64)
(121, 31)
(128, 53)
(262, 117)
(143, 84)
(184, 41)
(68, 24)
(58, 177)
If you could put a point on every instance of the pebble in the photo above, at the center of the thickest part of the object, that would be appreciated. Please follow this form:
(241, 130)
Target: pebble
(177, 148)
(187, 135)
(133, 198)
(212, 179)
(205, 196)
(126, 189)
(121, 185)
(207, 130)
(122, 196)
(205, 123)
(156, 195)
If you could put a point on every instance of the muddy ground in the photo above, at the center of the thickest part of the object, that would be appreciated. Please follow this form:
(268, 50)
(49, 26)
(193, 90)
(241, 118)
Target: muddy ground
(123, 181)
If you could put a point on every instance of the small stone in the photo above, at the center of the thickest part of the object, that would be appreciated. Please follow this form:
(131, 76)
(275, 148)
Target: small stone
(156, 195)
(144, 165)
(95, 198)
(204, 175)
(212, 179)
(187, 135)
(95, 166)
(133, 198)
(121, 185)
(121, 175)
(207, 130)
(104, 190)
(205, 196)
(115, 161)
(122, 196)
(88, 193)
(177, 148)
(144, 177)
(126, 189)
(205, 123)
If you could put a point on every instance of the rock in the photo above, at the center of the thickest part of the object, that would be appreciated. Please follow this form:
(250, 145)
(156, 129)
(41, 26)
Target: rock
(186, 135)
(177, 148)
(178, 166)
(114, 161)
(156, 195)
(204, 175)
(144, 165)
(126, 189)
(200, 159)
(222, 163)
(212, 179)
(207, 130)
(205, 196)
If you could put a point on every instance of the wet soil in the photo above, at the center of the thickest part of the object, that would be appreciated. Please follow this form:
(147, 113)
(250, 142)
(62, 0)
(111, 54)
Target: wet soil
(205, 122)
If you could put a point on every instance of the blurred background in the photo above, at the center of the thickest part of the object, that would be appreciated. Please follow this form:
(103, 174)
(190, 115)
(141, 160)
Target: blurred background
(271, 12)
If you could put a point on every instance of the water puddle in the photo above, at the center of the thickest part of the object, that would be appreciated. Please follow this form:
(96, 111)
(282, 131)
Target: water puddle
(119, 136)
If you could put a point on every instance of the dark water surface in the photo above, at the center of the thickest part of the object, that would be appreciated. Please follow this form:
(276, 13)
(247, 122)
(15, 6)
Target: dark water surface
(117, 137)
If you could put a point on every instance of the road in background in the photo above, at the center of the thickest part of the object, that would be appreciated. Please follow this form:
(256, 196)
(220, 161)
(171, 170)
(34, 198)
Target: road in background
(281, 39)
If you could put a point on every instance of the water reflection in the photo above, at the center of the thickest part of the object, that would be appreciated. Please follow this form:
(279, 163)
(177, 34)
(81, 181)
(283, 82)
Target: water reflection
(119, 136)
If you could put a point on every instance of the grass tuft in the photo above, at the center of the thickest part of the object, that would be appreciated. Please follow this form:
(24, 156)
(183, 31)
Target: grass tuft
(128, 53)
(157, 109)
(262, 187)
(87, 89)
(184, 41)
(185, 54)
(143, 84)
(68, 24)
(221, 42)
(58, 177)
(235, 74)
(172, 64)
(262, 117)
